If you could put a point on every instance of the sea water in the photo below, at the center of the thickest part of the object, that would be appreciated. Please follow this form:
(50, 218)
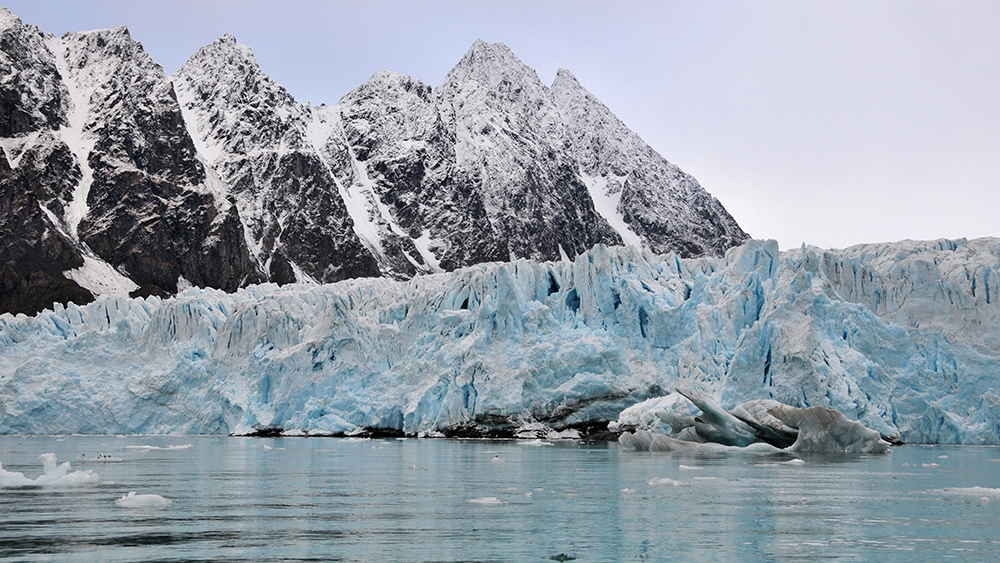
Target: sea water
(327, 499)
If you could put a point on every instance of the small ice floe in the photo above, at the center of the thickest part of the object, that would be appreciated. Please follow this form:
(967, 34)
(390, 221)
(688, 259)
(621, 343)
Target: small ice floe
(486, 501)
(627, 491)
(266, 447)
(54, 476)
(133, 500)
(942, 457)
(152, 448)
(662, 481)
(538, 442)
(929, 465)
(795, 461)
(690, 468)
(568, 434)
(979, 492)
(497, 459)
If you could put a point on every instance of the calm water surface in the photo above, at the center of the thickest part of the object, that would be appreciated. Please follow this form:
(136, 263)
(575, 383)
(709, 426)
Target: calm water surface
(316, 499)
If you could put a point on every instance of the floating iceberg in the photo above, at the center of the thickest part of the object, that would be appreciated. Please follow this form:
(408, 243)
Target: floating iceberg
(978, 492)
(486, 501)
(903, 338)
(54, 476)
(767, 425)
(133, 500)
(147, 448)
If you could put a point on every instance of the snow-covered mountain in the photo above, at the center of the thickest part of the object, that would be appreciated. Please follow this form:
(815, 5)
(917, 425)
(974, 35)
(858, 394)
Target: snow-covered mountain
(101, 187)
(118, 179)
(902, 337)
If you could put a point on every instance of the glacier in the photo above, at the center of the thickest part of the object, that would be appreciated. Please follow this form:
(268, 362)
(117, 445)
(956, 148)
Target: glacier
(902, 337)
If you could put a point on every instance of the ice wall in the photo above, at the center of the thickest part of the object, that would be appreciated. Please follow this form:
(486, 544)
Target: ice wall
(903, 337)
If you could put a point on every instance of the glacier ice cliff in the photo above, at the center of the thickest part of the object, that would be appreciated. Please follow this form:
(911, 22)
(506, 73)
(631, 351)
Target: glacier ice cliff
(902, 337)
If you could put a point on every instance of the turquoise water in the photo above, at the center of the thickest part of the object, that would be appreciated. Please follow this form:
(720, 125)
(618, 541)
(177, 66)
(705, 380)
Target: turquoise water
(315, 499)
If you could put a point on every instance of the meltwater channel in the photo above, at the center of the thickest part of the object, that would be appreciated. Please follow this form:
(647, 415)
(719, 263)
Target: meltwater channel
(327, 499)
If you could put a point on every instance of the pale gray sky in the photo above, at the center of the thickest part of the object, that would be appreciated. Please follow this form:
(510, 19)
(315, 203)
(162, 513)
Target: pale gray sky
(830, 123)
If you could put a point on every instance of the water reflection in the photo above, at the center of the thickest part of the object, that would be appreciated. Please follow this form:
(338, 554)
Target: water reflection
(408, 500)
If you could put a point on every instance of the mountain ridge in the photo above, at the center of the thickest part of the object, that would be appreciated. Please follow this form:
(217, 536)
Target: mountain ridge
(214, 176)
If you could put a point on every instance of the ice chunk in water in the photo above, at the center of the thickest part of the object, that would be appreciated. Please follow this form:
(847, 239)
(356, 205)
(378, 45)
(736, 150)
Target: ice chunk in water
(133, 500)
(54, 476)
(715, 424)
(779, 426)
(982, 492)
(826, 430)
(662, 481)
(486, 501)
(151, 448)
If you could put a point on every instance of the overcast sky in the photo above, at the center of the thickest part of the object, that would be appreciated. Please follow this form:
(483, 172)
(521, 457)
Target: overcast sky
(829, 123)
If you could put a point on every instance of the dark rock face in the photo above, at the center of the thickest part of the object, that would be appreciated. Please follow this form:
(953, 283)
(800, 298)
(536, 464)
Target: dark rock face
(30, 94)
(511, 141)
(99, 164)
(255, 136)
(149, 212)
(393, 127)
(34, 250)
(117, 178)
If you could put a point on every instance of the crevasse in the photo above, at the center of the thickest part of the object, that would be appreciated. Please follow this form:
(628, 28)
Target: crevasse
(892, 335)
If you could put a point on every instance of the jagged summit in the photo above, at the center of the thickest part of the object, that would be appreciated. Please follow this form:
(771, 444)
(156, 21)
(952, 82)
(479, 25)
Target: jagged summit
(224, 82)
(565, 79)
(224, 51)
(490, 65)
(483, 54)
(216, 177)
(642, 194)
(7, 19)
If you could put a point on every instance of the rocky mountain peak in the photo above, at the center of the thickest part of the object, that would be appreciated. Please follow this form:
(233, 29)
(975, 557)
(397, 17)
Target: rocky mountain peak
(492, 66)
(224, 53)
(227, 99)
(642, 194)
(565, 80)
(105, 54)
(7, 19)
(226, 71)
(217, 177)
(31, 96)
(392, 83)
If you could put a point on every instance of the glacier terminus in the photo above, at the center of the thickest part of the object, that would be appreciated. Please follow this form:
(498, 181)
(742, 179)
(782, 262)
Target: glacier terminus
(902, 337)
